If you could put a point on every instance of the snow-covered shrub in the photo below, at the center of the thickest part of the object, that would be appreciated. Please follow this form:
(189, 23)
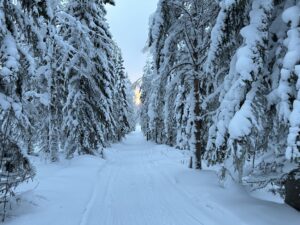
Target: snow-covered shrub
(14, 169)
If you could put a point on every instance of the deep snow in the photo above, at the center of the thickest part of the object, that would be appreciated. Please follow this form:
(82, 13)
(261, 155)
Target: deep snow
(139, 183)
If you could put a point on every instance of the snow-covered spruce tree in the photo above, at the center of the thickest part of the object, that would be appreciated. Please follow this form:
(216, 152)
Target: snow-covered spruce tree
(269, 164)
(225, 40)
(50, 54)
(290, 80)
(11, 79)
(52, 62)
(131, 114)
(34, 35)
(122, 98)
(155, 99)
(19, 24)
(90, 122)
(272, 104)
(241, 109)
(146, 92)
(163, 60)
(198, 17)
(178, 42)
(166, 44)
(14, 167)
(79, 119)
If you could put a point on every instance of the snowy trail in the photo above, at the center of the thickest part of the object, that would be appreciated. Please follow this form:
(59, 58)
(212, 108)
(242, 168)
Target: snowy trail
(139, 186)
(137, 192)
(142, 183)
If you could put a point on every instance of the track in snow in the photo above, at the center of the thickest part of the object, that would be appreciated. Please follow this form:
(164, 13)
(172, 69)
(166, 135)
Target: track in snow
(134, 189)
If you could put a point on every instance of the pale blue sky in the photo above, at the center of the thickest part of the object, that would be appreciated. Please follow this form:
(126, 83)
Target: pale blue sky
(129, 21)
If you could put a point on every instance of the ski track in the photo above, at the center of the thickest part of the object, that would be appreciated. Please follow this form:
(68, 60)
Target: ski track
(93, 198)
(138, 186)
(132, 189)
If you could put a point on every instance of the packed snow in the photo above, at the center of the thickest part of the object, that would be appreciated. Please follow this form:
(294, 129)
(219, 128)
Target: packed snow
(139, 182)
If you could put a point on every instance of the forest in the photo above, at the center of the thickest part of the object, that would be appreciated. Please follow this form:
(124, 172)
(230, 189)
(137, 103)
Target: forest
(63, 88)
(220, 89)
(223, 80)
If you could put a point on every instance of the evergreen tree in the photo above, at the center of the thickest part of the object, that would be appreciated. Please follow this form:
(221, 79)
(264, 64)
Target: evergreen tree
(122, 101)
(96, 81)
(245, 112)
(146, 90)
(225, 40)
(290, 80)
(14, 167)
(178, 41)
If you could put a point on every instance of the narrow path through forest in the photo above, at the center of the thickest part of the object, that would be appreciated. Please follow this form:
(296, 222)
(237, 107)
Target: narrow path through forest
(138, 190)
(141, 183)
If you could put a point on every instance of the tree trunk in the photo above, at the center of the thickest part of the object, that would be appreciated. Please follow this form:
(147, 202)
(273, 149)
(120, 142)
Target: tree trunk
(197, 124)
(53, 132)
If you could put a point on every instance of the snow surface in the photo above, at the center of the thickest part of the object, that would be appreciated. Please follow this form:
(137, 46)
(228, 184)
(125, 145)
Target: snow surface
(138, 183)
